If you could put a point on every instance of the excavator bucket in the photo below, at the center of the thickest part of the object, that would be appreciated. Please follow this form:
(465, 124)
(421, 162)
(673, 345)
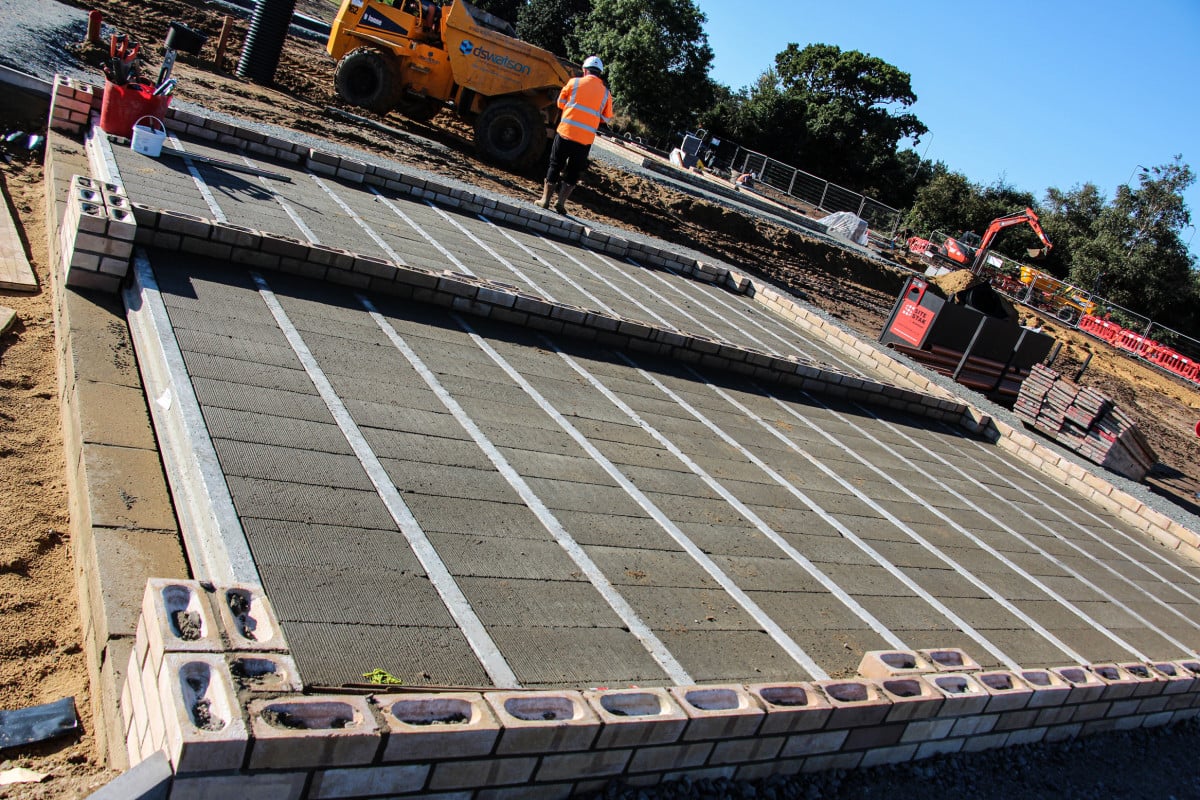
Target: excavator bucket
(1038, 253)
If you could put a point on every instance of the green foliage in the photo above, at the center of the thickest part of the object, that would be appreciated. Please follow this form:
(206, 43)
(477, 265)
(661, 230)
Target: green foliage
(657, 57)
(550, 24)
(838, 114)
(1132, 249)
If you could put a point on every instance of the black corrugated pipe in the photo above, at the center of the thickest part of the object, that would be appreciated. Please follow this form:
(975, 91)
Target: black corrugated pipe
(264, 41)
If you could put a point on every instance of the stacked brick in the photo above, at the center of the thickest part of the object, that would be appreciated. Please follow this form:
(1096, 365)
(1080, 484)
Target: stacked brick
(70, 105)
(210, 683)
(95, 240)
(1086, 422)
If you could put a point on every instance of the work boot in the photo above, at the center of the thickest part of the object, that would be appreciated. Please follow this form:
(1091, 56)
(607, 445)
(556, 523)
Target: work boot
(547, 190)
(564, 191)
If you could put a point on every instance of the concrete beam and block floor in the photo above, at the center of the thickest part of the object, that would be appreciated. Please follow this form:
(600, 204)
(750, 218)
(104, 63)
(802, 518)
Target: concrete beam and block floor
(464, 502)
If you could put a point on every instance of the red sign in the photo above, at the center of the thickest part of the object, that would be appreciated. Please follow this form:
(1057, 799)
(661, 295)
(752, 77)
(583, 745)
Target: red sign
(912, 322)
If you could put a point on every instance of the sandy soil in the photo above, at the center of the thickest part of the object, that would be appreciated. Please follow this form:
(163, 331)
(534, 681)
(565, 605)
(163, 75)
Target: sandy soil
(40, 651)
(41, 655)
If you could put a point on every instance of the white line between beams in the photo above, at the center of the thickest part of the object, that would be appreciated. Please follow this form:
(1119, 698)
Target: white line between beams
(595, 575)
(997, 554)
(439, 575)
(1045, 554)
(201, 184)
(766, 530)
(487, 249)
(600, 304)
(1141, 544)
(629, 277)
(769, 625)
(716, 295)
(999, 598)
(286, 206)
(367, 229)
(460, 266)
(857, 540)
(649, 312)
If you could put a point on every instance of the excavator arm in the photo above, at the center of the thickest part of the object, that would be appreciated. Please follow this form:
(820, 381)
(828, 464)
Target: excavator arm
(999, 224)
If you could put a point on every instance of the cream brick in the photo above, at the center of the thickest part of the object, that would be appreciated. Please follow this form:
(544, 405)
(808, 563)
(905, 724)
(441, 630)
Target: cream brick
(1118, 683)
(482, 772)
(247, 620)
(569, 766)
(718, 711)
(264, 672)
(306, 731)
(1048, 689)
(541, 722)
(881, 664)
(912, 697)
(804, 744)
(636, 717)
(205, 731)
(178, 620)
(1008, 692)
(1085, 687)
(426, 726)
(791, 708)
(962, 694)
(368, 781)
(855, 703)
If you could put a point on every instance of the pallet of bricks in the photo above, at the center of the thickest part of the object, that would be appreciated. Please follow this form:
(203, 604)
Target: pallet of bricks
(1084, 421)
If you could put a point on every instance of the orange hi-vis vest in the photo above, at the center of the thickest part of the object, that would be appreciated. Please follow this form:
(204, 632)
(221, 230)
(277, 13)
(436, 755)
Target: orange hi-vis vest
(586, 103)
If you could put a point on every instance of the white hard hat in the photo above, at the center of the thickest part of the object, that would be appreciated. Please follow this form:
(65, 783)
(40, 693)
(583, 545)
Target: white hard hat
(593, 62)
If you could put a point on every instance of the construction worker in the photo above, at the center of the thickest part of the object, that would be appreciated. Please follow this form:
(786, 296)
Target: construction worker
(585, 103)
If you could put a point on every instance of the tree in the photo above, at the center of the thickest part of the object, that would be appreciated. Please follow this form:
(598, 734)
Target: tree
(853, 119)
(657, 58)
(1135, 255)
(551, 23)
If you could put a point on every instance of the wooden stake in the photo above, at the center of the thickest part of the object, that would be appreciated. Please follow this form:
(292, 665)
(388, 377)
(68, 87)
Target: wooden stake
(226, 26)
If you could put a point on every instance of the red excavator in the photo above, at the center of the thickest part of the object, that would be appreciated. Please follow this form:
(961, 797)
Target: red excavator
(970, 250)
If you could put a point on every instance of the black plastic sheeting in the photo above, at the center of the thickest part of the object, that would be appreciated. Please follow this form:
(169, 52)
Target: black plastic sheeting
(38, 723)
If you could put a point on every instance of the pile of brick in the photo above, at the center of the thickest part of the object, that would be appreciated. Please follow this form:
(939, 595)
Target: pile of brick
(1084, 421)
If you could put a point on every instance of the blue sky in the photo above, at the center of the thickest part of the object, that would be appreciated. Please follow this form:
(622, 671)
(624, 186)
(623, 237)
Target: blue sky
(1039, 94)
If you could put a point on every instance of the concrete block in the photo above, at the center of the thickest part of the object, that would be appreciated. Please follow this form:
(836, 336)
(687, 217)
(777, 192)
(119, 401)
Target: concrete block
(540, 722)
(740, 751)
(205, 729)
(670, 757)
(368, 781)
(855, 703)
(1118, 684)
(950, 659)
(791, 707)
(177, 619)
(1085, 686)
(183, 224)
(888, 663)
(939, 748)
(962, 695)
(636, 717)
(804, 744)
(260, 786)
(833, 761)
(1008, 692)
(264, 672)
(487, 772)
(236, 236)
(927, 730)
(718, 712)
(988, 741)
(1048, 688)
(430, 726)
(592, 764)
(247, 620)
(974, 724)
(1062, 733)
(912, 697)
(312, 731)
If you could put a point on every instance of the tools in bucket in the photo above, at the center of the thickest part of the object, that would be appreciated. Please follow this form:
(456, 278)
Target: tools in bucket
(121, 66)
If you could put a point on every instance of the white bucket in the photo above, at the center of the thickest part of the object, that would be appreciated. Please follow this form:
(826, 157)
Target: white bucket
(146, 139)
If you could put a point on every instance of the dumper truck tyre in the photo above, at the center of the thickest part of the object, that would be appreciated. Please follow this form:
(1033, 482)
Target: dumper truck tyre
(419, 109)
(366, 77)
(511, 132)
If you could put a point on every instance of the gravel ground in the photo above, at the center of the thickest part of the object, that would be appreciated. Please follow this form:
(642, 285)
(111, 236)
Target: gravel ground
(1157, 763)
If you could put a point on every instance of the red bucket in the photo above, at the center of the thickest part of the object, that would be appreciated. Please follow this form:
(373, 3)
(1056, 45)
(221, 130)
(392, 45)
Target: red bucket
(124, 105)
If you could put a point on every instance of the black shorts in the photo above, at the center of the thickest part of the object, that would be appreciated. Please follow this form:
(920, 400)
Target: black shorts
(568, 160)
